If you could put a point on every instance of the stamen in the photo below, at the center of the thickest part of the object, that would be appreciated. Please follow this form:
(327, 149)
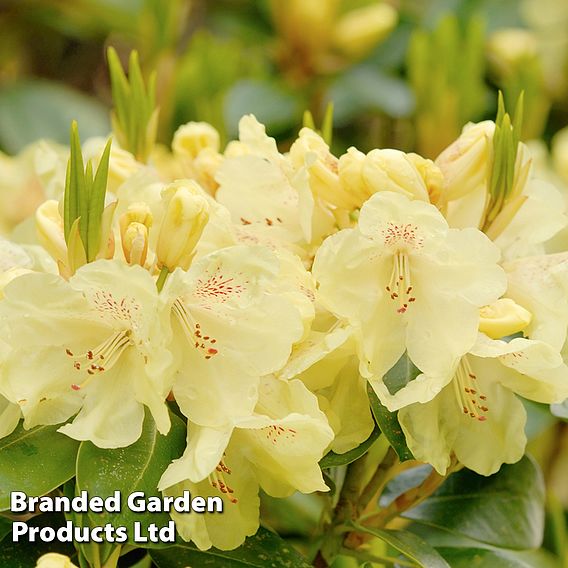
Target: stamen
(218, 481)
(400, 284)
(467, 397)
(193, 331)
(101, 358)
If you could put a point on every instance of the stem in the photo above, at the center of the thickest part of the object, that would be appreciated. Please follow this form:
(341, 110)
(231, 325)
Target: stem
(162, 278)
(377, 483)
(407, 500)
(345, 510)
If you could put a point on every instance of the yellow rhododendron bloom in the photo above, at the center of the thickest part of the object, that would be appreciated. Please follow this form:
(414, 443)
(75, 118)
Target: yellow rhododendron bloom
(268, 196)
(477, 416)
(276, 448)
(55, 560)
(95, 345)
(407, 282)
(230, 329)
(328, 365)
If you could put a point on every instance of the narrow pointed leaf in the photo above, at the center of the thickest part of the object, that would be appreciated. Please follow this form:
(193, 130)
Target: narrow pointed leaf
(97, 204)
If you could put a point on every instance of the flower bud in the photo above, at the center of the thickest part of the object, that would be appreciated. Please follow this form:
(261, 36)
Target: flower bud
(54, 560)
(135, 243)
(205, 168)
(49, 228)
(311, 150)
(502, 318)
(465, 164)
(431, 174)
(187, 213)
(351, 174)
(509, 48)
(358, 31)
(191, 138)
(392, 170)
(294, 17)
(136, 213)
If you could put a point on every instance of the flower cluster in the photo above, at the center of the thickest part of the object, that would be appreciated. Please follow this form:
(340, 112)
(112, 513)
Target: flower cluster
(263, 292)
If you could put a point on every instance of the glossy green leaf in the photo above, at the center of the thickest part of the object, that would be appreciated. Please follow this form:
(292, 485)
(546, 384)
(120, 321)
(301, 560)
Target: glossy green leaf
(410, 545)
(504, 510)
(389, 425)
(35, 461)
(30, 110)
(403, 482)
(91, 552)
(491, 558)
(263, 550)
(24, 554)
(137, 467)
(5, 527)
(331, 459)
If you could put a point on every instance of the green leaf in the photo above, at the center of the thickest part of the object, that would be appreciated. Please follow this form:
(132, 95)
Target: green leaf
(91, 552)
(34, 109)
(97, 205)
(389, 425)
(5, 527)
(264, 549)
(137, 467)
(24, 554)
(35, 461)
(410, 545)
(491, 558)
(327, 124)
(134, 105)
(331, 459)
(401, 374)
(505, 510)
(403, 482)
(79, 185)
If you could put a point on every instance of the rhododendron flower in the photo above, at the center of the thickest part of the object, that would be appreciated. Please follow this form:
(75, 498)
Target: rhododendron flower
(326, 362)
(276, 448)
(96, 345)
(407, 282)
(477, 416)
(267, 195)
(230, 329)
